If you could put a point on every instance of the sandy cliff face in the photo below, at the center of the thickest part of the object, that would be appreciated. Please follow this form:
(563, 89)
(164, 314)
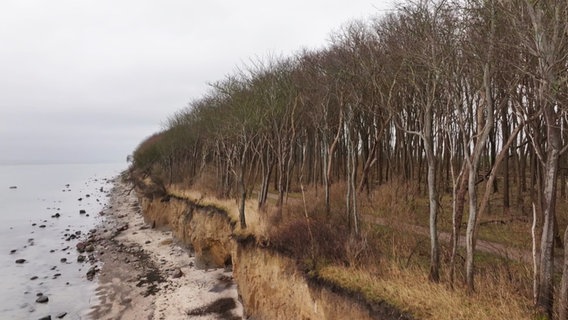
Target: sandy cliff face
(206, 229)
(270, 285)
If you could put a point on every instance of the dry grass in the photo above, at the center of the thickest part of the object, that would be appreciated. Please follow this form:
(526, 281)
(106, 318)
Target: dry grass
(256, 222)
(385, 264)
(410, 290)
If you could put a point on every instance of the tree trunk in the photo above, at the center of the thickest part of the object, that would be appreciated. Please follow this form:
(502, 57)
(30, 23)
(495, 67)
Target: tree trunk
(473, 165)
(434, 245)
(546, 286)
(457, 217)
(505, 133)
(471, 225)
(563, 300)
(432, 195)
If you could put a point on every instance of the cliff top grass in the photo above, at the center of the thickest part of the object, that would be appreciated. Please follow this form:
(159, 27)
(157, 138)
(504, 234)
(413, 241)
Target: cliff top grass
(409, 290)
(230, 206)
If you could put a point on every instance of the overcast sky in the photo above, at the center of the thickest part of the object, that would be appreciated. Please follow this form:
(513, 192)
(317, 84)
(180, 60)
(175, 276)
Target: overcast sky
(87, 80)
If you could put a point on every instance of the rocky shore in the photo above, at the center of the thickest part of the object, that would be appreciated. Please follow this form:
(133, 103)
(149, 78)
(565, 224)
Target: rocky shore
(144, 273)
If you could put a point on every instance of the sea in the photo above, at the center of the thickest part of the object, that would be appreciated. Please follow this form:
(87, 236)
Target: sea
(45, 210)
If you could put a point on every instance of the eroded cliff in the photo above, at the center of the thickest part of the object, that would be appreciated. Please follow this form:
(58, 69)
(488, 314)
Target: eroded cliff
(271, 286)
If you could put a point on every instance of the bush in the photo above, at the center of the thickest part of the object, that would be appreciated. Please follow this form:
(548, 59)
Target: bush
(316, 243)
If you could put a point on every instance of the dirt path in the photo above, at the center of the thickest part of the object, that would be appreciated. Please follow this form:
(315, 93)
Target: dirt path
(494, 248)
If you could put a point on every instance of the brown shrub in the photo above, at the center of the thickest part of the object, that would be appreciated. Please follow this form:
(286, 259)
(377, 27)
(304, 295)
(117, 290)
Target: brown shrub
(316, 242)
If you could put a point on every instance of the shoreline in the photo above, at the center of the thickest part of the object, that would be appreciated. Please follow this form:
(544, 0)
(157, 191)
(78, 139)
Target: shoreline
(146, 274)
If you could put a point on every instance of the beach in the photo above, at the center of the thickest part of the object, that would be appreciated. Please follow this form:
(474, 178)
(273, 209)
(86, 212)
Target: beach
(144, 273)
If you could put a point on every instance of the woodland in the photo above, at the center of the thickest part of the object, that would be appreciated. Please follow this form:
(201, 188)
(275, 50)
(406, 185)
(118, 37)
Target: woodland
(458, 103)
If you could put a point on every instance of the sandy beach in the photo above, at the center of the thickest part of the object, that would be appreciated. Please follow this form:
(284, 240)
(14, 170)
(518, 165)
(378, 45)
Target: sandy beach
(144, 273)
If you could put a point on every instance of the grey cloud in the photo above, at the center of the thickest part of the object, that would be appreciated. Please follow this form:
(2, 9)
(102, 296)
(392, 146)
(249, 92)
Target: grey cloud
(88, 80)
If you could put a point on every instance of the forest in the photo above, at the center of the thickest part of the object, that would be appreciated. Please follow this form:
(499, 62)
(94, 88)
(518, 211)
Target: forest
(462, 103)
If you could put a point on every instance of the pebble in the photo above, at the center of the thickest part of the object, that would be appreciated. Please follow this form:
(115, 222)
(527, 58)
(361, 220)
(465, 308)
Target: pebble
(177, 273)
(91, 273)
(20, 261)
(42, 299)
(45, 318)
(81, 247)
(61, 315)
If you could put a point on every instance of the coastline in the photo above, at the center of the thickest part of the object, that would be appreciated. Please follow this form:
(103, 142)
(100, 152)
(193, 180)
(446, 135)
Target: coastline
(146, 274)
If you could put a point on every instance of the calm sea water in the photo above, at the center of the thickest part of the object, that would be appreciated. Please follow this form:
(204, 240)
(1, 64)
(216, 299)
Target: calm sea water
(28, 225)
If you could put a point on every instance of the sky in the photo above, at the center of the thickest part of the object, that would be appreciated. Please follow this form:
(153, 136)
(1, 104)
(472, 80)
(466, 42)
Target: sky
(85, 81)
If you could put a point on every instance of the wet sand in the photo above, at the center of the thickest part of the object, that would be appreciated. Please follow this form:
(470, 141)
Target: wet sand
(144, 273)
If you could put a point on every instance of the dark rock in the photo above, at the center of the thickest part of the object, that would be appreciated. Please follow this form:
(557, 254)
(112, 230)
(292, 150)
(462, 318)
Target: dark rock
(91, 273)
(42, 299)
(13, 251)
(42, 226)
(20, 261)
(61, 315)
(82, 211)
(80, 199)
(45, 318)
(57, 215)
(81, 258)
(13, 187)
(81, 247)
(148, 242)
(34, 278)
(63, 260)
(89, 248)
(177, 273)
